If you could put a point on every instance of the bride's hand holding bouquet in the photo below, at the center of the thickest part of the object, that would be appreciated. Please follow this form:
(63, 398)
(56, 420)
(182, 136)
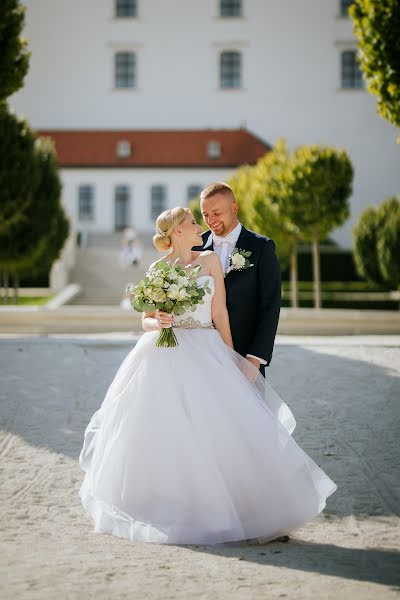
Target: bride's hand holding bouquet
(168, 289)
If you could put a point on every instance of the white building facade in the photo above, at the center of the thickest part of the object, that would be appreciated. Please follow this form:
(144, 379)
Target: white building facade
(275, 68)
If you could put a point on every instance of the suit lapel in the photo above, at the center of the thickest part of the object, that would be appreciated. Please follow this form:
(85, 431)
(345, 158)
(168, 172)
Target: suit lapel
(241, 244)
(206, 236)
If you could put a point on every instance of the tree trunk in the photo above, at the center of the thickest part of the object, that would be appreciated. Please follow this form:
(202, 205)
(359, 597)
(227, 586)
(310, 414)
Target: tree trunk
(16, 284)
(5, 284)
(316, 273)
(293, 275)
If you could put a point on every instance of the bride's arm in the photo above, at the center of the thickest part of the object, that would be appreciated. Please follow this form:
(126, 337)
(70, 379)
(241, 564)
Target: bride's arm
(219, 312)
(157, 319)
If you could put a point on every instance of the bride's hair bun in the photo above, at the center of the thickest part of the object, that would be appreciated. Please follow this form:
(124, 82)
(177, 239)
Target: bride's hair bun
(165, 224)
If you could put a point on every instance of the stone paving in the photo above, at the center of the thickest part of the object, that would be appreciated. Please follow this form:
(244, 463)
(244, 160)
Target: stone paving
(344, 393)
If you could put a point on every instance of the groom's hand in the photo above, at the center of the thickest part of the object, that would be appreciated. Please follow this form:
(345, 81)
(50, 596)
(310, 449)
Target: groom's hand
(254, 361)
(249, 367)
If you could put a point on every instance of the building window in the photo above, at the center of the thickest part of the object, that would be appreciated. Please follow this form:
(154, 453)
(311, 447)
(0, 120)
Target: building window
(230, 8)
(122, 199)
(124, 149)
(193, 191)
(213, 149)
(125, 70)
(126, 8)
(230, 70)
(158, 200)
(344, 7)
(86, 203)
(350, 70)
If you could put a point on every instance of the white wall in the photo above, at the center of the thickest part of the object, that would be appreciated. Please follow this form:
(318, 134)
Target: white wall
(291, 51)
(139, 182)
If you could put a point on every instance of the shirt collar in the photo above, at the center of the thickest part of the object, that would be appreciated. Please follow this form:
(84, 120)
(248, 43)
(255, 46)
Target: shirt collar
(234, 233)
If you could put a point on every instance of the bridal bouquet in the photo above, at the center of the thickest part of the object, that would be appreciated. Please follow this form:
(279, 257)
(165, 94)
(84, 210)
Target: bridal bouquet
(170, 288)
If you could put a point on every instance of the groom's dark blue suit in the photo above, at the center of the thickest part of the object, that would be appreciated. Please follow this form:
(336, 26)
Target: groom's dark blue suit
(253, 296)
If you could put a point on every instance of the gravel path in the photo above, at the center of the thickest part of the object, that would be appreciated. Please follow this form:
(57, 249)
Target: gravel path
(344, 393)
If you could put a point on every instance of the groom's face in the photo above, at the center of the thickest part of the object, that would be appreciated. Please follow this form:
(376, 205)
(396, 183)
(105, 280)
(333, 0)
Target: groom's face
(220, 213)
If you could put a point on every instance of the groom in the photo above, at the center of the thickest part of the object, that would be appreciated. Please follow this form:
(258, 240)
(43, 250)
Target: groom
(253, 294)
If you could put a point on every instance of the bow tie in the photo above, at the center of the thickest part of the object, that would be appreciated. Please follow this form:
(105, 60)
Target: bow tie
(228, 239)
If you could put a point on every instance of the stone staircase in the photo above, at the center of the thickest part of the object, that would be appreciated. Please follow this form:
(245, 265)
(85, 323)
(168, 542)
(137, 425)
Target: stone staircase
(100, 272)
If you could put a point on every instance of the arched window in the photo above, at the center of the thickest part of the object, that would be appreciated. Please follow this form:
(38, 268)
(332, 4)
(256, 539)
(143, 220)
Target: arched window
(230, 70)
(125, 70)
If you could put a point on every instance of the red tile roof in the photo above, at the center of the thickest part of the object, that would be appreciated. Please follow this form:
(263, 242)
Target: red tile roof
(156, 148)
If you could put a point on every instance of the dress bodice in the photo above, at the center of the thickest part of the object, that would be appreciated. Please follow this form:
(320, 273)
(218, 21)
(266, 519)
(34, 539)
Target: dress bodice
(202, 314)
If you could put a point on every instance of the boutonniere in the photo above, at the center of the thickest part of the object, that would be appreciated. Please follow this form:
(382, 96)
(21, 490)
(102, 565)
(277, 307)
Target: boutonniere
(239, 260)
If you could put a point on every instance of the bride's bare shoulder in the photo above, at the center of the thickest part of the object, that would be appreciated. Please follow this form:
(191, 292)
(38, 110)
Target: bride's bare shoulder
(209, 259)
(209, 256)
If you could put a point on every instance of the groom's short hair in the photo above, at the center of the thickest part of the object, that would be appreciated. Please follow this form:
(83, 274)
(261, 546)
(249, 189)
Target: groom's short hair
(219, 187)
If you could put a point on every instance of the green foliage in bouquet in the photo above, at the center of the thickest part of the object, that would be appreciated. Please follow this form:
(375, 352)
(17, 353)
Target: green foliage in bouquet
(171, 288)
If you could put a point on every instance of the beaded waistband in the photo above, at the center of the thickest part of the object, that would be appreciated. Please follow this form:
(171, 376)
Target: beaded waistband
(191, 323)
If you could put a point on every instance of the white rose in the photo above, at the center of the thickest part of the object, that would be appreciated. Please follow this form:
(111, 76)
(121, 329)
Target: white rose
(172, 276)
(183, 281)
(158, 281)
(159, 295)
(182, 295)
(173, 291)
(238, 261)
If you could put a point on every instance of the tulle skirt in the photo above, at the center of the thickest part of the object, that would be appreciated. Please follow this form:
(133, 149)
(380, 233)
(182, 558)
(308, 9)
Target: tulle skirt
(185, 449)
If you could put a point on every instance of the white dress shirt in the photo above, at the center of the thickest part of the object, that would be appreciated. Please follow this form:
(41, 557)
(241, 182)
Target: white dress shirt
(223, 247)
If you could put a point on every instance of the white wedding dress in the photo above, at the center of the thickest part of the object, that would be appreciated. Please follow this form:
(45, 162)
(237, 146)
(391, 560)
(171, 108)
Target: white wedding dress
(185, 449)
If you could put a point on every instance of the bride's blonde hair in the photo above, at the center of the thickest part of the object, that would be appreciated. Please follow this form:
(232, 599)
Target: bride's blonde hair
(165, 224)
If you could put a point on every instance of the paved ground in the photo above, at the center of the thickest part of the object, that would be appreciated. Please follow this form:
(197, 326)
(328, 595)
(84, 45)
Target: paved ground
(344, 393)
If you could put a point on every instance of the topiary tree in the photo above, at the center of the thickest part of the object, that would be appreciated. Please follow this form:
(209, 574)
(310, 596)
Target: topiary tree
(18, 177)
(377, 29)
(271, 205)
(318, 184)
(14, 55)
(376, 243)
(35, 240)
(256, 211)
(365, 234)
(388, 241)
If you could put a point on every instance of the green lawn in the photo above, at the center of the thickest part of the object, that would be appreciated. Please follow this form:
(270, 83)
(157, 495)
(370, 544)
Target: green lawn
(331, 291)
(27, 300)
(336, 286)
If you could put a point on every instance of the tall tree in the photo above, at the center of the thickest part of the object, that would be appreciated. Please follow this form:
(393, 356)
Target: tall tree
(14, 54)
(35, 240)
(272, 204)
(256, 211)
(18, 171)
(377, 29)
(317, 188)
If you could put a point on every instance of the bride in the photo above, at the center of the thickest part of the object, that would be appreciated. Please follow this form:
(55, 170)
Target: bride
(191, 445)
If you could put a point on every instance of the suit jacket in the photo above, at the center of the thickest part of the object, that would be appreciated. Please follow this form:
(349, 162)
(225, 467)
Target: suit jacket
(253, 296)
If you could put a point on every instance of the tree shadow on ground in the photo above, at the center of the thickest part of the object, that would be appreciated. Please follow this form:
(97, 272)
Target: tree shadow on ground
(367, 564)
(346, 409)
